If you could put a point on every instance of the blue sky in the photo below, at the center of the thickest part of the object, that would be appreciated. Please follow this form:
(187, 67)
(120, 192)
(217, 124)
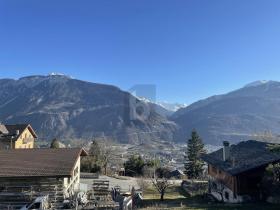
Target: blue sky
(188, 49)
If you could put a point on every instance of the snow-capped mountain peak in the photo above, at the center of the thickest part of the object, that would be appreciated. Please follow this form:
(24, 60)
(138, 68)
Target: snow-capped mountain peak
(171, 106)
(259, 82)
(54, 74)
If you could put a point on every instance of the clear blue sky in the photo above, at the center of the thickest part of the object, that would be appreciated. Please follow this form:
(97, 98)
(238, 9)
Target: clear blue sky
(189, 49)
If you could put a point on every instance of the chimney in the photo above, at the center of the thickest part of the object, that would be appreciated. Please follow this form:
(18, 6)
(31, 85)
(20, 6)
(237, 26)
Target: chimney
(226, 151)
(17, 132)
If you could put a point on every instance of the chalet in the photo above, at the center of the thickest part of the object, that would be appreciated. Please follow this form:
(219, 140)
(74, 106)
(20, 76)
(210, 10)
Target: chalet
(177, 174)
(26, 174)
(236, 171)
(17, 136)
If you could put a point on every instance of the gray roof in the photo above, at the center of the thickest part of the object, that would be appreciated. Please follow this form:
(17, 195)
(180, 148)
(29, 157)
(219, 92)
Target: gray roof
(244, 156)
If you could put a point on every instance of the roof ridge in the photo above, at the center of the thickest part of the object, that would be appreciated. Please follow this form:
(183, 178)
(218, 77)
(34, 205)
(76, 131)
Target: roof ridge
(246, 156)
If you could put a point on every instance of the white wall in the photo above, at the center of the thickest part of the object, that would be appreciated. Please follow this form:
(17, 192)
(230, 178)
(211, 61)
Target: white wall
(72, 184)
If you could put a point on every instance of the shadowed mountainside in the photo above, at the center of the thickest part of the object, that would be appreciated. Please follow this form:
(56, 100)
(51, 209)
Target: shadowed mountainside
(236, 116)
(59, 106)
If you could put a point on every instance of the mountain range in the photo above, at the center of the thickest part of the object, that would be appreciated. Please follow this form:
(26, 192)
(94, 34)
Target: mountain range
(60, 106)
(63, 107)
(239, 115)
(163, 108)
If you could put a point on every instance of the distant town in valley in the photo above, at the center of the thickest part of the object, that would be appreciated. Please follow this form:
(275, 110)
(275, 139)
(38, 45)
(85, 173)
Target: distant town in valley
(139, 105)
(64, 144)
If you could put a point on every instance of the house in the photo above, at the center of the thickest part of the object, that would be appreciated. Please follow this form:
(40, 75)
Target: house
(25, 174)
(17, 136)
(177, 174)
(236, 171)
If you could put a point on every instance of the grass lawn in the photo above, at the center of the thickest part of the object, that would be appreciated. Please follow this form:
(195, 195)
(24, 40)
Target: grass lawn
(176, 198)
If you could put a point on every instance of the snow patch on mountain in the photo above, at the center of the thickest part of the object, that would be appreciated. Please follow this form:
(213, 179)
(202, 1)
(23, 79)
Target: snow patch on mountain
(259, 82)
(60, 74)
(171, 106)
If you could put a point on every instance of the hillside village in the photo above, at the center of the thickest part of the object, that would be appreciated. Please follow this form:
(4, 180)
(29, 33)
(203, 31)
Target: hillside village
(102, 176)
(139, 105)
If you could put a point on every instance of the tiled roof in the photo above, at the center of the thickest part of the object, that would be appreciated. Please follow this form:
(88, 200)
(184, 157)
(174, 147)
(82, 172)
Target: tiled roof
(243, 157)
(39, 162)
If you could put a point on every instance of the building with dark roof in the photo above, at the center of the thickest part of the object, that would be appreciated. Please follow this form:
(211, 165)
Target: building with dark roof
(34, 172)
(17, 136)
(236, 171)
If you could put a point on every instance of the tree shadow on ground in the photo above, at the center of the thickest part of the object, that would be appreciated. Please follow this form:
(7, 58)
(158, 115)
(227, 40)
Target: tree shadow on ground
(200, 202)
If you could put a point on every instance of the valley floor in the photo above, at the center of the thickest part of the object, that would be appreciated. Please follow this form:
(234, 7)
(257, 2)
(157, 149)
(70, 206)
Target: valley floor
(175, 198)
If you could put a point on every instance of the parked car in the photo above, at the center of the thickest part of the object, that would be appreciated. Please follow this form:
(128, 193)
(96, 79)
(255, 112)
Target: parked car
(40, 203)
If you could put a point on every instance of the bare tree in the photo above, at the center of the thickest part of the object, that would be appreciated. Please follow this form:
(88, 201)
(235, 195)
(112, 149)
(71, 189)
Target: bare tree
(106, 155)
(143, 184)
(100, 153)
(161, 185)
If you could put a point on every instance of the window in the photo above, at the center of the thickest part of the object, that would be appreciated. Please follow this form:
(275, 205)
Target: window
(226, 195)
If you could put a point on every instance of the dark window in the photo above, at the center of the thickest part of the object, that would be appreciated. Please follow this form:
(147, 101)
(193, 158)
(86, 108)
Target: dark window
(252, 183)
(226, 195)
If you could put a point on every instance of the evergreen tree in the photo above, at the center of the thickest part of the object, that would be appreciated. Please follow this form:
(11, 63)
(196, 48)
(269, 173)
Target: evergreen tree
(55, 144)
(193, 163)
(134, 166)
(95, 150)
(274, 148)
